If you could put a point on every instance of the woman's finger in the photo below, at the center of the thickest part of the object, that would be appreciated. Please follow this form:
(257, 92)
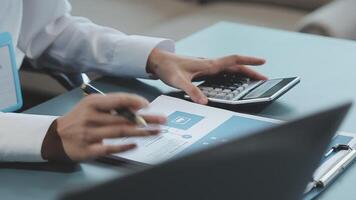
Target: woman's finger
(247, 72)
(117, 131)
(106, 118)
(238, 60)
(193, 91)
(154, 119)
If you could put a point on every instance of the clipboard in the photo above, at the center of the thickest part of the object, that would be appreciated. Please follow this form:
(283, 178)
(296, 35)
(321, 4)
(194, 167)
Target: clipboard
(10, 90)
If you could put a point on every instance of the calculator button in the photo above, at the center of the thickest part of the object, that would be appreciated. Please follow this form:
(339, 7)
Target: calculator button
(206, 88)
(205, 92)
(212, 94)
(229, 96)
(221, 95)
(228, 87)
(240, 89)
(236, 92)
(246, 80)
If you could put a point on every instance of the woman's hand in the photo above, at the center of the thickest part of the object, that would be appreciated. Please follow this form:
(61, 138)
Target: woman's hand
(179, 71)
(83, 130)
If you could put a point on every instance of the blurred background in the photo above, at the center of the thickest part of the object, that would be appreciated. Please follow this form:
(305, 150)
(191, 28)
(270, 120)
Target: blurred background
(177, 19)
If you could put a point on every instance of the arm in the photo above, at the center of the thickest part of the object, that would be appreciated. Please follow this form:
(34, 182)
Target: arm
(52, 38)
(77, 136)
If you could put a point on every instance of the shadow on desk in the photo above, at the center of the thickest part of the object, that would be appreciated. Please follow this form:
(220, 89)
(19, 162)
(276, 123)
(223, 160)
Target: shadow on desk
(50, 166)
(61, 167)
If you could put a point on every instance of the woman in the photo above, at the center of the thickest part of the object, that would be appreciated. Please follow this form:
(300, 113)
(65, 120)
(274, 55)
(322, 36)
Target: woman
(46, 33)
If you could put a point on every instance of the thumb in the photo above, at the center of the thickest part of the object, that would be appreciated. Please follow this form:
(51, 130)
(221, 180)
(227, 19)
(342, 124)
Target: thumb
(194, 92)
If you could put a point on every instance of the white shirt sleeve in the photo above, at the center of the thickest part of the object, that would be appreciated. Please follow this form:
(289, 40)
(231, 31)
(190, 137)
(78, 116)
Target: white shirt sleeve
(21, 136)
(53, 38)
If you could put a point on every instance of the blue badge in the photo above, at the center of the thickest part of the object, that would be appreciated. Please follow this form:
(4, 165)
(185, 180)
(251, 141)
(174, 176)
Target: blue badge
(10, 90)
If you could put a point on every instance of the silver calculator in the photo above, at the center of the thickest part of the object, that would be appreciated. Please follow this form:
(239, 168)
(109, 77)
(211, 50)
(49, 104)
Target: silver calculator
(236, 89)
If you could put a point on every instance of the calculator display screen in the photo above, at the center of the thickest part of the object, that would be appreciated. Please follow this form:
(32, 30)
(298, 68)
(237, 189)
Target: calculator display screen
(268, 88)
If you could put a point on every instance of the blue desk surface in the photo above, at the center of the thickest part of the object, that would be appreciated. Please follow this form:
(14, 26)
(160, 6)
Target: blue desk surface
(327, 67)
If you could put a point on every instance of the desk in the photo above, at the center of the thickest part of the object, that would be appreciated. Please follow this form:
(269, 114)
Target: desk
(328, 71)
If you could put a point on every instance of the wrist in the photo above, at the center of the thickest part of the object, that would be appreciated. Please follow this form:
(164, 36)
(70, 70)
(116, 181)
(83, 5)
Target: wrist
(153, 61)
(52, 146)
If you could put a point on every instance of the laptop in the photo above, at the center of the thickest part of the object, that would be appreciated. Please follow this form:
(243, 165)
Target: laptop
(276, 163)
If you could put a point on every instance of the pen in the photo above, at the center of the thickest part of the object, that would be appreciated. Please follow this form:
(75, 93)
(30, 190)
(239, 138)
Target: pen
(337, 169)
(334, 171)
(126, 113)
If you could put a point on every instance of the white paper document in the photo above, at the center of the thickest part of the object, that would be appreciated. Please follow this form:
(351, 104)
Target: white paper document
(190, 127)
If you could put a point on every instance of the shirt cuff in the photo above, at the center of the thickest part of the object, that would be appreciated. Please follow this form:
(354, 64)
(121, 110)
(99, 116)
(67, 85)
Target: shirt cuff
(133, 53)
(23, 136)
